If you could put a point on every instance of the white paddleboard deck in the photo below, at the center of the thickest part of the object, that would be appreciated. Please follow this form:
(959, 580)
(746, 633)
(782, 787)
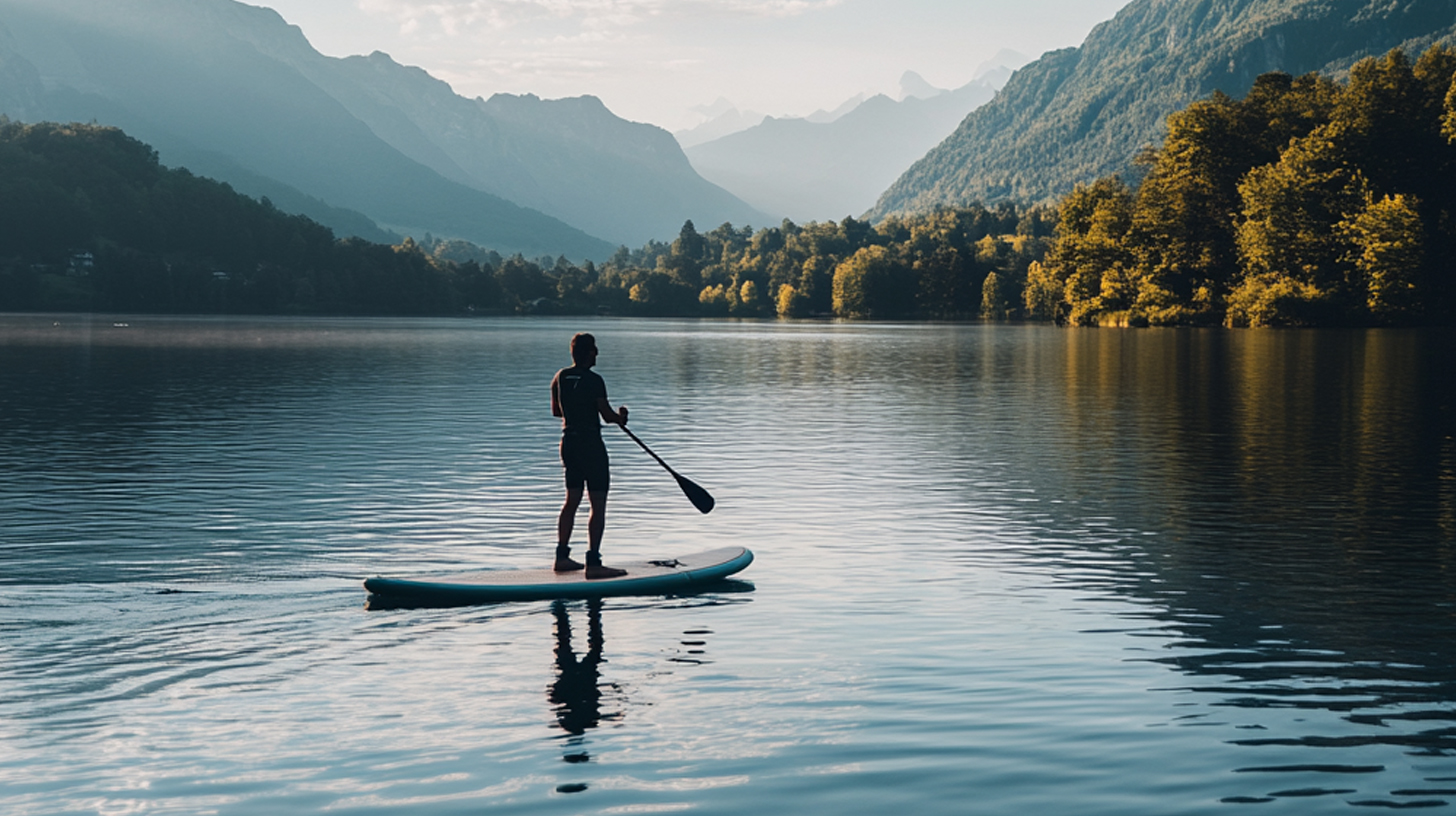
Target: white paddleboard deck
(661, 577)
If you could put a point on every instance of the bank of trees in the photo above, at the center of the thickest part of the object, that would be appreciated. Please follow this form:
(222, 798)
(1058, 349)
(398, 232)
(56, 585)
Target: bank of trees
(949, 264)
(1308, 202)
(89, 220)
(946, 264)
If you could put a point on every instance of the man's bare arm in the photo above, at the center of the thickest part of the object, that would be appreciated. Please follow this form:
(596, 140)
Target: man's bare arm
(617, 417)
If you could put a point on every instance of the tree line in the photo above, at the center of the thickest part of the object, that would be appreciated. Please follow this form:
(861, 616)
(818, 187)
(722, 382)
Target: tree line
(948, 264)
(1308, 202)
(90, 220)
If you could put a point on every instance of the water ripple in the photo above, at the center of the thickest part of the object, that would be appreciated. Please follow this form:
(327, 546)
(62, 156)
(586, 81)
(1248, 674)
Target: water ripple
(1141, 572)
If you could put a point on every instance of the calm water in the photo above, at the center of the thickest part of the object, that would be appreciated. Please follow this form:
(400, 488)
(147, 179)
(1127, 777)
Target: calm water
(1001, 570)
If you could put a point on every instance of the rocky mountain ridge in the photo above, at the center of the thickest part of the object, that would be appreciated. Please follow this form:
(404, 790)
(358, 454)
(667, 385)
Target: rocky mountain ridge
(1082, 113)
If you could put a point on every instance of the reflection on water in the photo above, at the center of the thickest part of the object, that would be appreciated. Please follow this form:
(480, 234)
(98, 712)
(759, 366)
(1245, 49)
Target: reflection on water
(1300, 552)
(1001, 569)
(577, 693)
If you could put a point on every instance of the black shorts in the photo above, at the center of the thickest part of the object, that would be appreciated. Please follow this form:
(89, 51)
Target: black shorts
(584, 456)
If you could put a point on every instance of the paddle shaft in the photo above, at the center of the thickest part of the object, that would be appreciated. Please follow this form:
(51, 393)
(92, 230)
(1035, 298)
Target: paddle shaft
(643, 446)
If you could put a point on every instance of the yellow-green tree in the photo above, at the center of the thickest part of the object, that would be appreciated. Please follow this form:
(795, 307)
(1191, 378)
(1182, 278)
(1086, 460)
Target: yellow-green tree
(714, 300)
(1448, 122)
(995, 300)
(816, 283)
(1387, 252)
(1090, 246)
(748, 303)
(1293, 257)
(1388, 124)
(1043, 294)
(1183, 221)
(866, 285)
(790, 303)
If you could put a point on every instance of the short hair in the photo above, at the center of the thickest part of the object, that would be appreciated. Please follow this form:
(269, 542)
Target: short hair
(581, 344)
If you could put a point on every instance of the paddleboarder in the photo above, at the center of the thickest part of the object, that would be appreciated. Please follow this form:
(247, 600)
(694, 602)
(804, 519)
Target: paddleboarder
(579, 397)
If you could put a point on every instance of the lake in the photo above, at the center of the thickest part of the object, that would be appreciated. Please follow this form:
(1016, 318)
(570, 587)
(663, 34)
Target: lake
(1001, 569)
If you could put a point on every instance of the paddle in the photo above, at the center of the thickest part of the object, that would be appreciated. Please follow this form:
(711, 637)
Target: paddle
(698, 496)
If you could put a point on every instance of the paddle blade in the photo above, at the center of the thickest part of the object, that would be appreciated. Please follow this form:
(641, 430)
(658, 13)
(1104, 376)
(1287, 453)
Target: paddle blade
(698, 496)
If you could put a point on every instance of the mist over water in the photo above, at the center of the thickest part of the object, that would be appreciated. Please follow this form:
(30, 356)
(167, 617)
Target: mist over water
(1000, 569)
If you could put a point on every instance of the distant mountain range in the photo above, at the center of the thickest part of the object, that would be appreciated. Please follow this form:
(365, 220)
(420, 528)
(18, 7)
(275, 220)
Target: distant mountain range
(1082, 113)
(836, 163)
(571, 158)
(722, 118)
(362, 144)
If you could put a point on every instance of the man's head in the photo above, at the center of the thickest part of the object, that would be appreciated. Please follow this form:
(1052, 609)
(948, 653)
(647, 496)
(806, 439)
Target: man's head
(583, 349)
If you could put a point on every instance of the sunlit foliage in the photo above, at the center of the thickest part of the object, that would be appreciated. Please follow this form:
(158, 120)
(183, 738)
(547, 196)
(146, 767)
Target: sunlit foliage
(1305, 203)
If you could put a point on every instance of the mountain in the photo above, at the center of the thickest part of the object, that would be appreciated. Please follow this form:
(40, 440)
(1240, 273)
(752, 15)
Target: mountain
(913, 84)
(1001, 66)
(724, 119)
(721, 118)
(570, 158)
(825, 116)
(837, 166)
(233, 92)
(195, 80)
(1081, 113)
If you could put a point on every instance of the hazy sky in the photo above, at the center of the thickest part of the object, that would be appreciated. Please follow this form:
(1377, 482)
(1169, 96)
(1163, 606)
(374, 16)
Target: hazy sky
(654, 60)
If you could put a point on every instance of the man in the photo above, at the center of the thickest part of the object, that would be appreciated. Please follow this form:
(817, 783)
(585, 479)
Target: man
(579, 396)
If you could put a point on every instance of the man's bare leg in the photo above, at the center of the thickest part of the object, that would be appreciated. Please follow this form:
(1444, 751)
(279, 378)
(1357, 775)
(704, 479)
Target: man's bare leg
(564, 525)
(596, 525)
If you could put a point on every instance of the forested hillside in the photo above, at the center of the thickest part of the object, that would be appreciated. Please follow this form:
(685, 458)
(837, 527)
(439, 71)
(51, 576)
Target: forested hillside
(364, 144)
(1308, 202)
(90, 220)
(1082, 113)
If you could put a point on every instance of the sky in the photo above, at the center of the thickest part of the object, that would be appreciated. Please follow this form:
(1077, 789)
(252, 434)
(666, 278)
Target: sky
(657, 60)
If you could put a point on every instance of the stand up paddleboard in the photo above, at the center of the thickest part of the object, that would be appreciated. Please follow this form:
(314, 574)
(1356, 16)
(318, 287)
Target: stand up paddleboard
(642, 578)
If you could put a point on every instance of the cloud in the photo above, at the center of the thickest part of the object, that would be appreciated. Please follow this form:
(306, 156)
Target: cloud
(457, 17)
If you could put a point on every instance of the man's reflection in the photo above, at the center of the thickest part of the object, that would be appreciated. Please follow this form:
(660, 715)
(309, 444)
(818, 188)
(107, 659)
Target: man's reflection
(576, 696)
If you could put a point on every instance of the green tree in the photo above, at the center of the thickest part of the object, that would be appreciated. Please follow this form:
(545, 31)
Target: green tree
(1385, 124)
(686, 259)
(816, 284)
(945, 283)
